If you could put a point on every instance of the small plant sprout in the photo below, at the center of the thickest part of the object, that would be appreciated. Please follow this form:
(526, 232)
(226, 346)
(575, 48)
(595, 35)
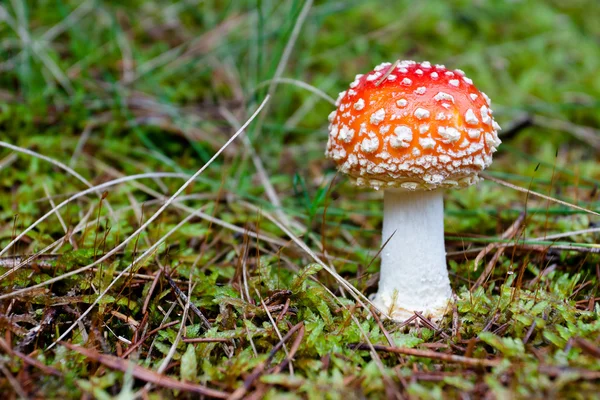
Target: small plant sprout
(413, 130)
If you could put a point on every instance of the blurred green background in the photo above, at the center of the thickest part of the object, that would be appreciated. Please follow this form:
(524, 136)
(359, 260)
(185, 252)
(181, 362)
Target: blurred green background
(155, 78)
(113, 88)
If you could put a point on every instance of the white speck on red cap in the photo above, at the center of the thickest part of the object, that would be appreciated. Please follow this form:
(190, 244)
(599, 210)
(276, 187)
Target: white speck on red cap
(421, 113)
(369, 145)
(402, 103)
(470, 117)
(377, 116)
(443, 96)
(359, 105)
(427, 143)
(403, 137)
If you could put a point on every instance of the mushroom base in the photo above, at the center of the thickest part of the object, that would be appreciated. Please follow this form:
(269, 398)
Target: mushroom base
(413, 273)
(400, 313)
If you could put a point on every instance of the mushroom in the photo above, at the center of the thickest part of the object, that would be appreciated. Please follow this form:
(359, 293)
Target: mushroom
(413, 130)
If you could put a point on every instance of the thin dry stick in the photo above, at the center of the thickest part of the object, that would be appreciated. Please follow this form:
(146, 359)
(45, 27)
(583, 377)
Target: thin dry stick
(166, 316)
(508, 234)
(146, 336)
(543, 196)
(544, 238)
(475, 362)
(207, 325)
(206, 217)
(245, 271)
(534, 247)
(205, 340)
(145, 374)
(579, 373)
(382, 328)
(60, 218)
(10, 159)
(567, 234)
(275, 328)
(587, 346)
(489, 268)
(387, 73)
(165, 363)
(300, 84)
(13, 382)
(114, 281)
(262, 173)
(151, 290)
(152, 218)
(358, 296)
(155, 215)
(293, 349)
(49, 213)
(29, 360)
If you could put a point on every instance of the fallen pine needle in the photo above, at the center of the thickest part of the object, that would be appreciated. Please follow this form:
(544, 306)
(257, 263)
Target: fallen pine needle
(145, 374)
(475, 362)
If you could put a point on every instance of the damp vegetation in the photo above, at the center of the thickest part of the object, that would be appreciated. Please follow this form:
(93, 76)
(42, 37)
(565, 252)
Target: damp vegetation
(171, 228)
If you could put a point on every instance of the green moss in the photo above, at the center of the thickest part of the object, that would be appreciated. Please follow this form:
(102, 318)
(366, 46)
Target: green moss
(159, 86)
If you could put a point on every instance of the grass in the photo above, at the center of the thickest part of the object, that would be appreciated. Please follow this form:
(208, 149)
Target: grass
(229, 288)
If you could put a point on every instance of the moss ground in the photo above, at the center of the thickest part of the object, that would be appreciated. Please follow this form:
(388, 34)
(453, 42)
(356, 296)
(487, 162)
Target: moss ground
(219, 293)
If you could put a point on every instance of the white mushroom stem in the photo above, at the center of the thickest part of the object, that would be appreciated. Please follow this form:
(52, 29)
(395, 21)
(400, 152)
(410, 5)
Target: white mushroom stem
(413, 276)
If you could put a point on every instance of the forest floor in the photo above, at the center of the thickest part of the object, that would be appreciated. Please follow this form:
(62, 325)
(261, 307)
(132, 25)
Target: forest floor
(142, 255)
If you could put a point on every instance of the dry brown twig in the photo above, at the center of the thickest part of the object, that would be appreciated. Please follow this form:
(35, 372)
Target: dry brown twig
(28, 359)
(536, 194)
(474, 362)
(387, 73)
(145, 374)
(149, 334)
(510, 233)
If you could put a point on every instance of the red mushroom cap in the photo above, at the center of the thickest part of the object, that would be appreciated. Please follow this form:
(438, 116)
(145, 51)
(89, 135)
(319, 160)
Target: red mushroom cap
(413, 126)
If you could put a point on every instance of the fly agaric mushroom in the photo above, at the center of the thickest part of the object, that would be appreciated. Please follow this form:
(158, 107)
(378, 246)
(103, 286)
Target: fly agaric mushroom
(413, 130)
